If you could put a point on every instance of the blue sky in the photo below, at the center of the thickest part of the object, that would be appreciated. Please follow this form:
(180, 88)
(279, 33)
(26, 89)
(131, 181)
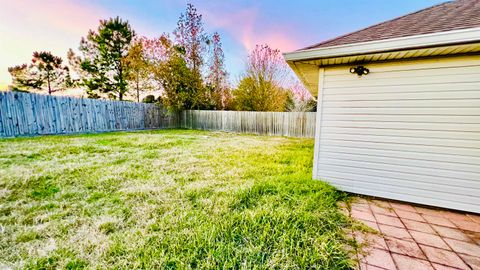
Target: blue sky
(56, 25)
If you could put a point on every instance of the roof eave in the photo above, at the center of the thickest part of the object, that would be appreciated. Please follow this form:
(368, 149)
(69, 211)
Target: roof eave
(386, 45)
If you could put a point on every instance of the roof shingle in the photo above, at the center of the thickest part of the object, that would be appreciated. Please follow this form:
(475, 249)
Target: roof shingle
(454, 15)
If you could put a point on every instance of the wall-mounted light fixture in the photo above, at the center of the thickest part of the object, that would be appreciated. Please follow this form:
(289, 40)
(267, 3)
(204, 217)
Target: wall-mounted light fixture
(359, 70)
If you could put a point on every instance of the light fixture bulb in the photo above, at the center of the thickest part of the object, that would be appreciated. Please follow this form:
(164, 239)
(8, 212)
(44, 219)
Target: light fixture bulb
(359, 70)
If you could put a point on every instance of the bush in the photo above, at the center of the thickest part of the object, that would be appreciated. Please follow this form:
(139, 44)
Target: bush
(149, 99)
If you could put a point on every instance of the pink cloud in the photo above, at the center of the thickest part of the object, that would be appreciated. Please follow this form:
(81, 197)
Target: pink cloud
(243, 25)
(30, 25)
(69, 16)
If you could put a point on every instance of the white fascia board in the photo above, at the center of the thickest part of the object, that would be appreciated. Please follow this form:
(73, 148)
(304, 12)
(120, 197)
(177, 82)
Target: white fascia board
(427, 40)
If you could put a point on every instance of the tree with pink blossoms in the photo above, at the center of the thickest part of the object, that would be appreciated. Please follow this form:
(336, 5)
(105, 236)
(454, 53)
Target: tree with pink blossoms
(262, 87)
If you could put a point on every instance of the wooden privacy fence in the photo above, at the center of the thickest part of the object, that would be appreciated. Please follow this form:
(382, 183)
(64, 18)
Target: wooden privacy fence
(25, 114)
(294, 124)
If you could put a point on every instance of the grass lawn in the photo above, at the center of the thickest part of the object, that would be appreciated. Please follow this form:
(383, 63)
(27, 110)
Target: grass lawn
(173, 199)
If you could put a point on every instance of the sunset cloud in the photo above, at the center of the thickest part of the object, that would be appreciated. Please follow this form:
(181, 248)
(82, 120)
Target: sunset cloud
(30, 25)
(245, 25)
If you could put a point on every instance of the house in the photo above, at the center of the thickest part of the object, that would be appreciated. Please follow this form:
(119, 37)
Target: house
(399, 107)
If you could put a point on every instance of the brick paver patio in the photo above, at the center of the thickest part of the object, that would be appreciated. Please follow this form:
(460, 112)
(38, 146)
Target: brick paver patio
(413, 237)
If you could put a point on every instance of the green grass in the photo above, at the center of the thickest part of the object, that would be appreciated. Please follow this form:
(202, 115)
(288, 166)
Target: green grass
(172, 199)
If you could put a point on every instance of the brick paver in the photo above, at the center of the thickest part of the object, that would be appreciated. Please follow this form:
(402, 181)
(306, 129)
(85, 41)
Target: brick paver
(408, 263)
(415, 237)
(413, 225)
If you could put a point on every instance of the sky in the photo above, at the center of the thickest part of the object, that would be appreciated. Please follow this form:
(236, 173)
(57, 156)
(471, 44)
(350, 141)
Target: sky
(57, 25)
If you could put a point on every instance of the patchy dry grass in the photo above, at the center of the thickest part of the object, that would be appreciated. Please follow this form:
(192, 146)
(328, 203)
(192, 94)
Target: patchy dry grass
(171, 199)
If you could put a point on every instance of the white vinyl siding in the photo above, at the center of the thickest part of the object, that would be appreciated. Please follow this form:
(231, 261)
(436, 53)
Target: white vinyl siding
(409, 130)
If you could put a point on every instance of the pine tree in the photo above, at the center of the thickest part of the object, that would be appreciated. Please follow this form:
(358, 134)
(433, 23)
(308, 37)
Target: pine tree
(45, 71)
(103, 58)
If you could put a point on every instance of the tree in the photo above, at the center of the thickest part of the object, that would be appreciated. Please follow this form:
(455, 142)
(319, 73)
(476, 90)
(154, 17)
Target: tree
(260, 95)
(190, 35)
(263, 86)
(149, 99)
(45, 71)
(179, 83)
(302, 100)
(155, 52)
(191, 41)
(138, 68)
(49, 68)
(103, 58)
(217, 76)
(74, 65)
(21, 78)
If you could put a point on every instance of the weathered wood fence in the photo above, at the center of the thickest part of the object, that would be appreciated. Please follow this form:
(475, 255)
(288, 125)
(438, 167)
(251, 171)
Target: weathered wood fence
(294, 124)
(26, 114)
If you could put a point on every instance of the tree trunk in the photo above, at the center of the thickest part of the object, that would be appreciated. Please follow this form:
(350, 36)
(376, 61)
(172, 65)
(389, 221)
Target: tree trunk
(138, 90)
(48, 83)
(120, 87)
